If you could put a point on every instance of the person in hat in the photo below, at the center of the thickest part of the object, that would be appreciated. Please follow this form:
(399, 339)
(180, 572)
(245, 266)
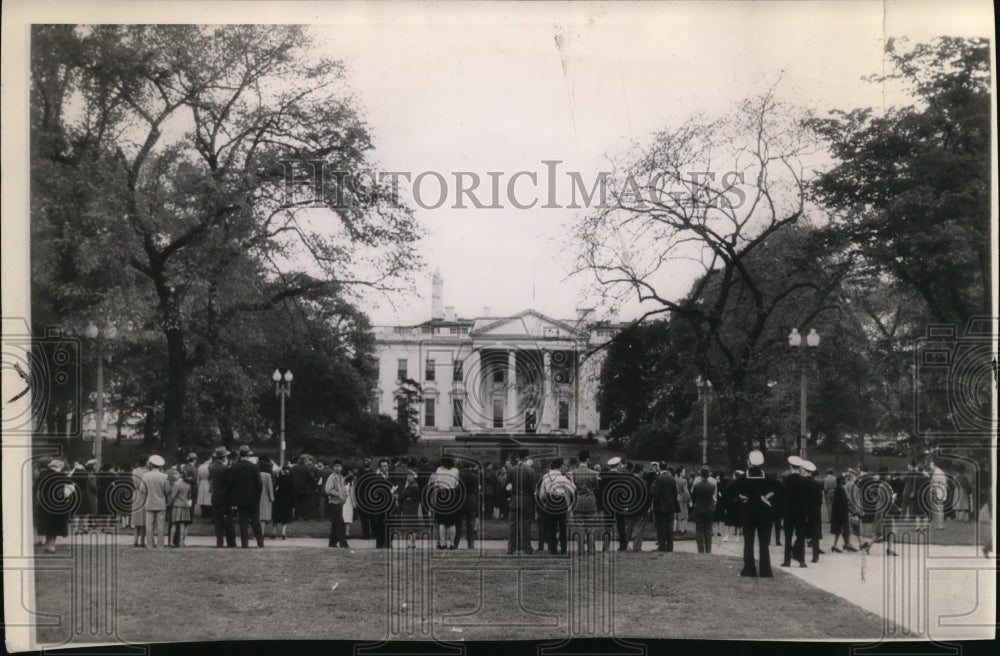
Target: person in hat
(337, 495)
(755, 492)
(521, 484)
(284, 501)
(615, 485)
(796, 512)
(247, 488)
(221, 490)
(585, 511)
(55, 497)
(814, 509)
(153, 490)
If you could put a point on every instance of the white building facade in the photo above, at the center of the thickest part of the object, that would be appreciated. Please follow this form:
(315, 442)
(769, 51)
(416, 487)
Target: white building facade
(526, 374)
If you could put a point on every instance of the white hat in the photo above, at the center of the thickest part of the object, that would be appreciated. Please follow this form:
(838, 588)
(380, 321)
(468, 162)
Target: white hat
(795, 461)
(756, 458)
(156, 461)
(808, 466)
(614, 462)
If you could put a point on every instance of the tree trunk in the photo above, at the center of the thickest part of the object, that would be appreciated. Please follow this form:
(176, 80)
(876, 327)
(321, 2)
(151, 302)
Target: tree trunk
(173, 408)
(149, 428)
(226, 430)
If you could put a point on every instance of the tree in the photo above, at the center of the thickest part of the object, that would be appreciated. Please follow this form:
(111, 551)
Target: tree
(407, 396)
(174, 147)
(911, 186)
(722, 194)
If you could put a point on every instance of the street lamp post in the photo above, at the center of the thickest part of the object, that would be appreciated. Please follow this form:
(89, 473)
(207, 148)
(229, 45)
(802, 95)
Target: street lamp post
(282, 389)
(795, 341)
(703, 386)
(98, 336)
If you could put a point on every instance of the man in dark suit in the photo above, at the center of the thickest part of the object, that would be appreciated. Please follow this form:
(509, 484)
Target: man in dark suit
(304, 477)
(703, 496)
(796, 512)
(469, 478)
(664, 507)
(364, 474)
(521, 482)
(247, 487)
(221, 484)
(814, 509)
(614, 488)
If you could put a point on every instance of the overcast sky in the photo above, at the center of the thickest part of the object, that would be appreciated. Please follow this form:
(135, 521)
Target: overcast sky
(491, 88)
(498, 87)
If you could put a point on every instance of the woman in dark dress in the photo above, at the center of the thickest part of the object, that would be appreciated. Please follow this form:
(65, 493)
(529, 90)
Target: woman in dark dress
(409, 505)
(721, 505)
(840, 517)
(56, 497)
(284, 500)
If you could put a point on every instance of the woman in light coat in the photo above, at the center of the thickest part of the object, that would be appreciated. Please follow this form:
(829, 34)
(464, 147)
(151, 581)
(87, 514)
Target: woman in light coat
(266, 495)
(204, 490)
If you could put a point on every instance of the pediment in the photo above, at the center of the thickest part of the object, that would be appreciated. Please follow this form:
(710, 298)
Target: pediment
(528, 325)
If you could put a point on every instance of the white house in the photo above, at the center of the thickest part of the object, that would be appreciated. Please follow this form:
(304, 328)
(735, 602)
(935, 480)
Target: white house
(526, 374)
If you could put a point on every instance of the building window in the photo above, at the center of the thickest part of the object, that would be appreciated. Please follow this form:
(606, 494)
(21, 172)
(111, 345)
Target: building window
(456, 413)
(497, 413)
(457, 374)
(429, 371)
(429, 412)
(401, 372)
(453, 330)
(564, 415)
(498, 374)
(376, 402)
(605, 420)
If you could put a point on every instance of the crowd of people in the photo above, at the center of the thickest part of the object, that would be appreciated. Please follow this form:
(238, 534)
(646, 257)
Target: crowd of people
(593, 504)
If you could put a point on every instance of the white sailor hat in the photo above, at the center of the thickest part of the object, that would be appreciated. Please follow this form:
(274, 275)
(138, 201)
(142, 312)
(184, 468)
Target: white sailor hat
(808, 466)
(795, 461)
(614, 462)
(156, 461)
(756, 458)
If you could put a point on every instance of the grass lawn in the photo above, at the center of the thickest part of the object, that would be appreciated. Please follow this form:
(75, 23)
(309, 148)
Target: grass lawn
(208, 594)
(954, 533)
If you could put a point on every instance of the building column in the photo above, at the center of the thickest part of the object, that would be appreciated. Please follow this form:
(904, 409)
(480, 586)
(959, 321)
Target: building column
(512, 419)
(472, 375)
(545, 422)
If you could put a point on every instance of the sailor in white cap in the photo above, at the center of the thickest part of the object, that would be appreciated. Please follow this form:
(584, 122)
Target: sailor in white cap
(756, 493)
(611, 488)
(154, 493)
(796, 511)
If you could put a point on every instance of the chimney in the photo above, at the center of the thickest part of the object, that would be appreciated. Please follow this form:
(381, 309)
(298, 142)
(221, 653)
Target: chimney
(486, 310)
(437, 295)
(449, 313)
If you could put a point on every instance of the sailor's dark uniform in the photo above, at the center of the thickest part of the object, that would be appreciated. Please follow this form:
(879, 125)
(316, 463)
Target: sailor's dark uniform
(797, 491)
(755, 493)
